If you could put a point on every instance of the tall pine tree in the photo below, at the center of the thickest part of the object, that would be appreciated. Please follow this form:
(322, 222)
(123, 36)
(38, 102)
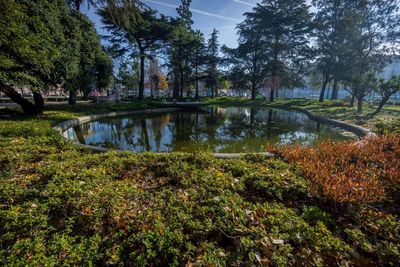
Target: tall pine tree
(284, 27)
(213, 60)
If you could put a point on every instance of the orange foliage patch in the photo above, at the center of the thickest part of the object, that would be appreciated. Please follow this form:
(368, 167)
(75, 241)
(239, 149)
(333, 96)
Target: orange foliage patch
(367, 171)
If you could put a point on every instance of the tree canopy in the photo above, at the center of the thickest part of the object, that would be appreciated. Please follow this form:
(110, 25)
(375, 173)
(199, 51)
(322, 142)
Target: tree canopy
(43, 45)
(29, 51)
(140, 34)
(51, 44)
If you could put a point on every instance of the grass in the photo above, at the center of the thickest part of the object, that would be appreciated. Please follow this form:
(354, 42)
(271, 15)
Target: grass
(63, 205)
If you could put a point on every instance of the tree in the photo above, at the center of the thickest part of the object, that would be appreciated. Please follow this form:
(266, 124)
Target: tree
(30, 31)
(329, 28)
(103, 71)
(76, 4)
(185, 14)
(163, 82)
(142, 32)
(128, 75)
(85, 63)
(386, 89)
(284, 28)
(237, 77)
(180, 48)
(154, 73)
(93, 61)
(179, 52)
(249, 58)
(372, 34)
(198, 59)
(66, 74)
(225, 84)
(213, 60)
(363, 85)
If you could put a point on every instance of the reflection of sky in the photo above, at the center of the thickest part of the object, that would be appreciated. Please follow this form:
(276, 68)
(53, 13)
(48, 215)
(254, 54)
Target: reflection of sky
(298, 136)
(236, 129)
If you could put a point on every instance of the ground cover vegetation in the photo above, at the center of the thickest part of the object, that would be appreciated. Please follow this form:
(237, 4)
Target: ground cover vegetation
(63, 205)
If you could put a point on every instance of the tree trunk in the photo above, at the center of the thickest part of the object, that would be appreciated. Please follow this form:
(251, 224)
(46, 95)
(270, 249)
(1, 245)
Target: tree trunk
(182, 80)
(352, 101)
(359, 104)
(382, 103)
(335, 90)
(253, 91)
(72, 97)
(322, 94)
(141, 80)
(175, 93)
(39, 102)
(271, 95)
(274, 69)
(197, 83)
(197, 89)
(234, 87)
(27, 107)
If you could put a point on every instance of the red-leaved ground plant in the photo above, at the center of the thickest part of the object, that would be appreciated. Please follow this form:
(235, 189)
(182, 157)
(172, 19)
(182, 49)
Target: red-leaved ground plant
(367, 171)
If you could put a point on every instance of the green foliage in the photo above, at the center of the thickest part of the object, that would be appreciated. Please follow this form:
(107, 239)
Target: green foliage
(213, 60)
(28, 40)
(45, 45)
(186, 52)
(185, 15)
(138, 28)
(274, 44)
(128, 73)
(85, 66)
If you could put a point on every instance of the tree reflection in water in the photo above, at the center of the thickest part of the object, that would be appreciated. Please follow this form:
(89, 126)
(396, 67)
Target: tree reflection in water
(216, 129)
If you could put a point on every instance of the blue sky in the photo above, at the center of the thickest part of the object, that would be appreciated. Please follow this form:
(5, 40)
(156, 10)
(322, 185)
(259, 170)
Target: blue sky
(223, 15)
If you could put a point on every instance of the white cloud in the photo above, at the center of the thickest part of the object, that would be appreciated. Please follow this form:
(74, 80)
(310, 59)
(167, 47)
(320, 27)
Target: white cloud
(198, 11)
(244, 3)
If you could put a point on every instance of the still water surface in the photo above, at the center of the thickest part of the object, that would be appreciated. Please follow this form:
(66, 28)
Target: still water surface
(216, 129)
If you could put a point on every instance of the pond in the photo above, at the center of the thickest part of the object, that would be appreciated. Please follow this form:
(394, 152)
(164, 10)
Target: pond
(214, 129)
